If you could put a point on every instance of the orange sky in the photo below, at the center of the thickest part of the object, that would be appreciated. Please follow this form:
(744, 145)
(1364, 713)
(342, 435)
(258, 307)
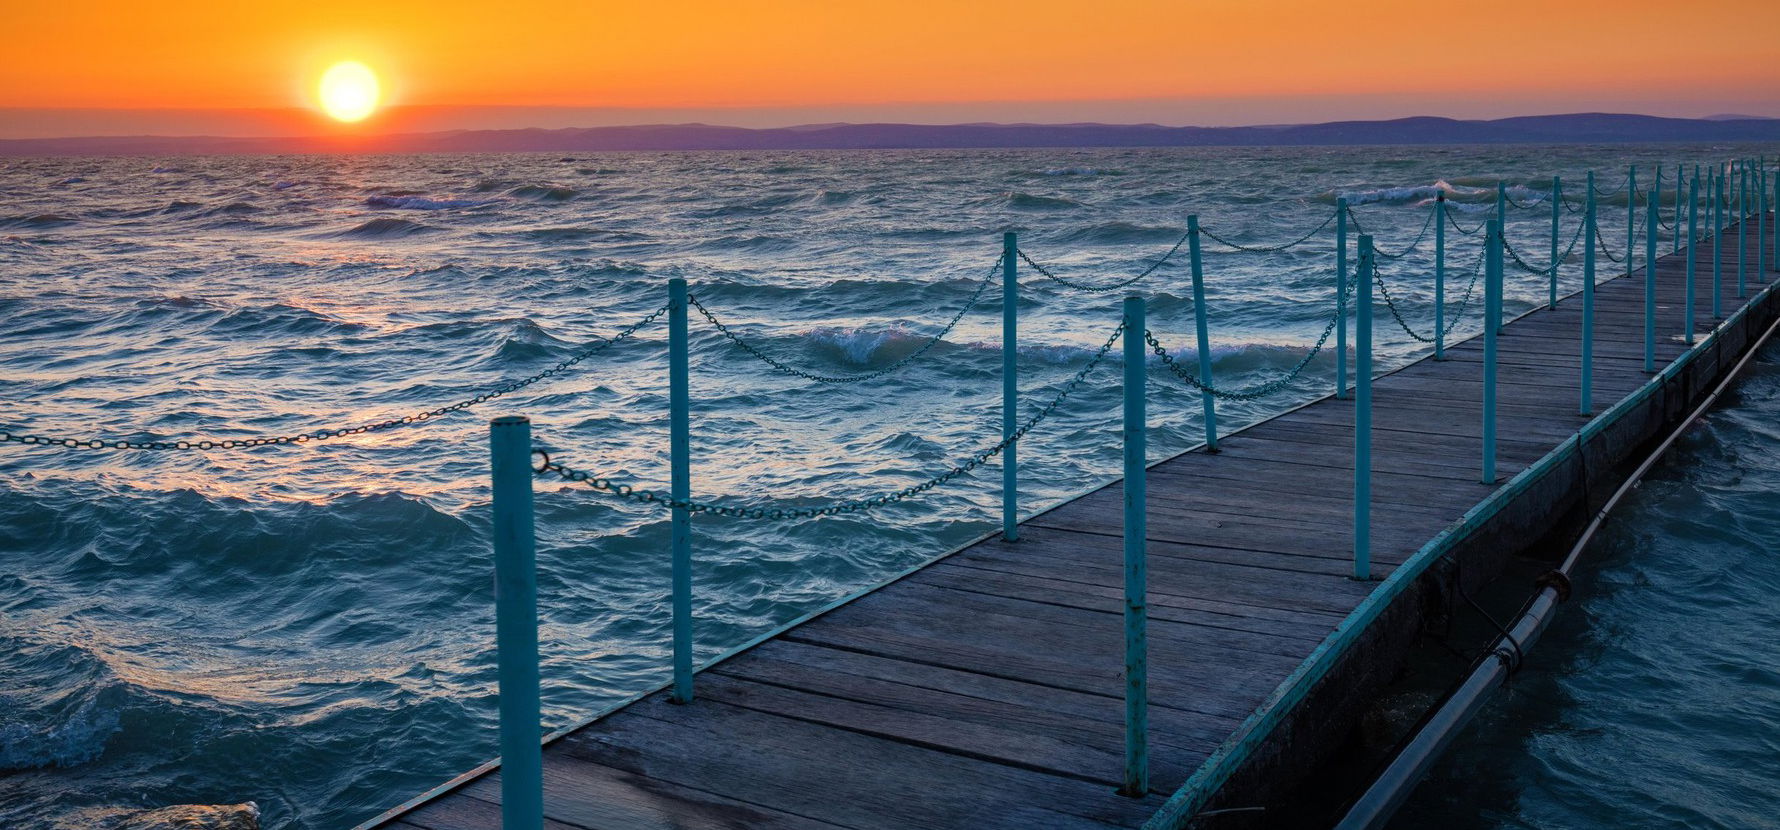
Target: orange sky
(1448, 57)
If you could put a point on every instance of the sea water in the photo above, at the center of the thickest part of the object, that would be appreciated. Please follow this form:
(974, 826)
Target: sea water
(310, 626)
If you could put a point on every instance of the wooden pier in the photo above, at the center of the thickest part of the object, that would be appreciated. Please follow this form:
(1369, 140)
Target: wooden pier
(986, 689)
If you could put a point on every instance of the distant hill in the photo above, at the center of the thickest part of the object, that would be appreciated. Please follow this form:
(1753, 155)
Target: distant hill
(1590, 128)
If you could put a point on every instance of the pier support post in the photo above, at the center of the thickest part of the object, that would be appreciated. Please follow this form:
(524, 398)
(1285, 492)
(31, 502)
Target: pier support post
(1137, 705)
(1363, 411)
(1717, 244)
(1440, 275)
(1341, 298)
(1587, 406)
(1501, 237)
(1492, 320)
(1693, 242)
(516, 623)
(1010, 385)
(1650, 284)
(1557, 213)
(680, 488)
(1204, 334)
(1631, 216)
(1680, 176)
(1742, 227)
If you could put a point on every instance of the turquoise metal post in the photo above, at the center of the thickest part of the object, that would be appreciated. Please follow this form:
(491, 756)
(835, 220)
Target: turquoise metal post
(680, 488)
(1631, 214)
(1693, 239)
(1502, 237)
(1557, 212)
(1680, 176)
(1650, 285)
(1137, 703)
(1742, 227)
(1717, 239)
(1204, 334)
(1656, 209)
(1588, 303)
(1492, 311)
(1440, 275)
(1010, 385)
(516, 623)
(1340, 298)
(1363, 411)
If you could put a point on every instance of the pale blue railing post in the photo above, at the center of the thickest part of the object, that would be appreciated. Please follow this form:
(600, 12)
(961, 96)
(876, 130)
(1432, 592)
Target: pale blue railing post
(1363, 411)
(1693, 240)
(1010, 385)
(1631, 216)
(1341, 298)
(680, 488)
(1650, 285)
(1557, 212)
(1204, 333)
(1501, 236)
(1137, 704)
(1742, 226)
(1440, 275)
(516, 623)
(1680, 176)
(1492, 319)
(1588, 303)
(1717, 243)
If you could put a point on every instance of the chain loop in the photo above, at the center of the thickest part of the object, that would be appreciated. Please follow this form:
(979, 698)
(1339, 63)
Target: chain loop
(1426, 226)
(325, 434)
(643, 496)
(788, 369)
(1268, 249)
(1254, 392)
(1113, 287)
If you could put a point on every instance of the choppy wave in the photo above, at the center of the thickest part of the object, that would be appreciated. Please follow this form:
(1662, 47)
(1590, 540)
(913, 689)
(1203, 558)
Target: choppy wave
(386, 228)
(405, 202)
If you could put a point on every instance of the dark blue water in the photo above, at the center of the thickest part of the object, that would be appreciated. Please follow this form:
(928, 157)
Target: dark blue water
(1652, 701)
(310, 627)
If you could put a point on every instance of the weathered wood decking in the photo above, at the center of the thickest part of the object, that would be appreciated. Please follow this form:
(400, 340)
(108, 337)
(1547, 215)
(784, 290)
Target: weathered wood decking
(985, 690)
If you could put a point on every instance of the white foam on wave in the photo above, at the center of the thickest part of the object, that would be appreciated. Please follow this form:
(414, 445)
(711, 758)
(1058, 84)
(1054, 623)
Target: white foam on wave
(861, 345)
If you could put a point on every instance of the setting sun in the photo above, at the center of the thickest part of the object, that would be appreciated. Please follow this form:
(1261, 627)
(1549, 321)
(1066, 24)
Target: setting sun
(349, 91)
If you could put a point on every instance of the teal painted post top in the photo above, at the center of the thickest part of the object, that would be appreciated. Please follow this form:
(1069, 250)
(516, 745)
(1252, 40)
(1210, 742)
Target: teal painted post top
(680, 488)
(1492, 310)
(1631, 214)
(516, 623)
(1137, 752)
(1203, 333)
(1557, 213)
(1693, 239)
(1440, 275)
(1717, 235)
(1650, 287)
(1363, 411)
(1341, 297)
(1587, 407)
(1010, 384)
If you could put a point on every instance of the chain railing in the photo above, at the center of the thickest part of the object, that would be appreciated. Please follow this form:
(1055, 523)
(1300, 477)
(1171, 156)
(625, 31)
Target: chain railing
(1081, 286)
(607, 486)
(1546, 270)
(1403, 323)
(1267, 249)
(786, 368)
(1454, 222)
(325, 434)
(1254, 392)
(1419, 237)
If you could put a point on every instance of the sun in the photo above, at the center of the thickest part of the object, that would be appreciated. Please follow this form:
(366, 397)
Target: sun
(349, 91)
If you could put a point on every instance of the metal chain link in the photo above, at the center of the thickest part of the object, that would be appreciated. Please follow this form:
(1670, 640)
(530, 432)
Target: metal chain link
(1615, 191)
(1254, 392)
(1517, 205)
(1391, 303)
(1515, 255)
(1113, 287)
(788, 369)
(626, 491)
(1602, 244)
(1426, 226)
(1268, 249)
(1452, 220)
(325, 434)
